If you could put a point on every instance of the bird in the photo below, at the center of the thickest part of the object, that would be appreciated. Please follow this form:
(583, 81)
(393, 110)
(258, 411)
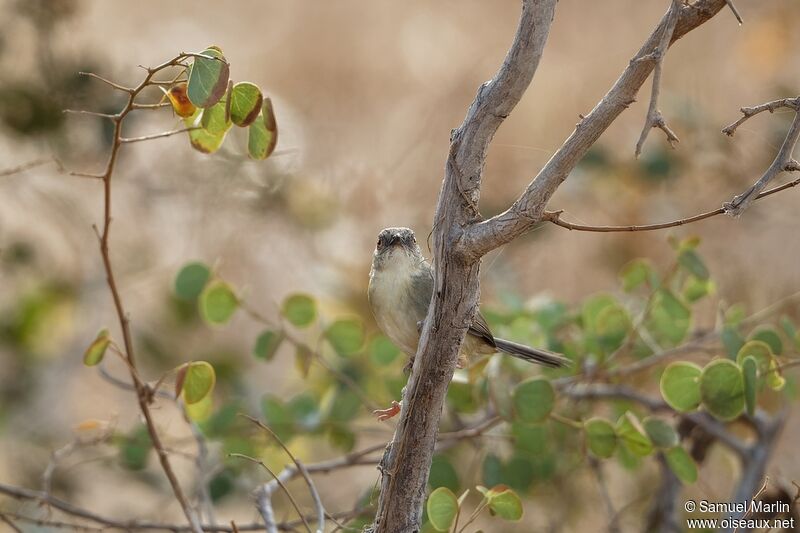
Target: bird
(400, 291)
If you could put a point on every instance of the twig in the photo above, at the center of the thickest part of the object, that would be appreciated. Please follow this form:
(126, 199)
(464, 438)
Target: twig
(27, 166)
(11, 524)
(597, 468)
(748, 112)
(783, 161)
(654, 117)
(143, 392)
(735, 11)
(555, 216)
(264, 493)
(311, 488)
(129, 90)
(91, 113)
(156, 135)
(152, 106)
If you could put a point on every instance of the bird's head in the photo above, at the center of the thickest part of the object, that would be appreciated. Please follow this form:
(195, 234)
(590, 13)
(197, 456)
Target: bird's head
(396, 246)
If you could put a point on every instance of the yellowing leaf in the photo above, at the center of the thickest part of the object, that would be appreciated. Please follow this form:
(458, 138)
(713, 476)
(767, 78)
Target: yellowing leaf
(263, 133)
(181, 104)
(198, 382)
(95, 352)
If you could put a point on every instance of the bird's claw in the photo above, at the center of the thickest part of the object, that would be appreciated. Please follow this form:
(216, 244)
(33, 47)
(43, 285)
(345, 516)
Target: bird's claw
(386, 414)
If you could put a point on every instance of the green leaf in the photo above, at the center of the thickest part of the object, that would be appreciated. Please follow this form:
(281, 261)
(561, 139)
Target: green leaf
(134, 448)
(533, 400)
(344, 407)
(600, 437)
(695, 289)
(246, 100)
(735, 314)
(346, 336)
(505, 503)
(750, 375)
(636, 273)
(382, 351)
(689, 260)
(267, 344)
(492, 470)
(680, 386)
(732, 341)
(97, 349)
(769, 336)
(208, 78)
(722, 389)
(302, 359)
(768, 367)
(214, 119)
(201, 139)
(632, 435)
(300, 310)
(342, 438)
(530, 439)
(200, 411)
(262, 136)
(681, 464)
(218, 303)
(191, 280)
(442, 508)
(660, 432)
(198, 381)
(277, 417)
(669, 319)
(443, 474)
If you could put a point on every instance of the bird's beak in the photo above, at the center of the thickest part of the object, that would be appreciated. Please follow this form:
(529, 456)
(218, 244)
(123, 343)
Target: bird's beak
(394, 240)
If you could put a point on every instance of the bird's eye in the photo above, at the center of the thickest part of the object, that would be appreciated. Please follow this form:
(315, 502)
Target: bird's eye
(379, 243)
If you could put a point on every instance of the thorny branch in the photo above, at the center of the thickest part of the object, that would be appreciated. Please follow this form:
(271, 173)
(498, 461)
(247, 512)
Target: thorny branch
(783, 161)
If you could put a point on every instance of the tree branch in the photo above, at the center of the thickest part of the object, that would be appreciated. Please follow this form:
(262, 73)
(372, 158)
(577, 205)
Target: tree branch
(555, 216)
(406, 463)
(783, 161)
(654, 118)
(527, 210)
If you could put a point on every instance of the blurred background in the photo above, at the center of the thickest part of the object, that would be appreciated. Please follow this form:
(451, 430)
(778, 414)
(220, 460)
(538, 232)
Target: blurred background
(365, 95)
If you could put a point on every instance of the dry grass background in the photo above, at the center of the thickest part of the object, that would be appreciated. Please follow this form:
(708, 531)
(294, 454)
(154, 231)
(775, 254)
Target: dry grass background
(366, 94)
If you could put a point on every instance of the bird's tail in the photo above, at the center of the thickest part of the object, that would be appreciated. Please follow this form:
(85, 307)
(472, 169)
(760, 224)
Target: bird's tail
(532, 355)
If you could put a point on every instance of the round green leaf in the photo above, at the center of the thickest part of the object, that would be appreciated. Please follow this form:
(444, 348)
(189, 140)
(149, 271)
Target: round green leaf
(208, 78)
(218, 303)
(262, 134)
(768, 368)
(722, 389)
(246, 100)
(346, 336)
(632, 435)
(530, 439)
(267, 344)
(669, 318)
(689, 260)
(505, 503)
(214, 119)
(443, 474)
(680, 386)
(660, 432)
(750, 375)
(200, 411)
(533, 400)
(300, 310)
(492, 470)
(191, 280)
(442, 508)
(600, 437)
(198, 381)
(382, 351)
(97, 349)
(681, 464)
(636, 273)
(770, 337)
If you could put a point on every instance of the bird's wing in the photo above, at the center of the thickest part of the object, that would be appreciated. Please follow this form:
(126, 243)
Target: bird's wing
(480, 328)
(421, 290)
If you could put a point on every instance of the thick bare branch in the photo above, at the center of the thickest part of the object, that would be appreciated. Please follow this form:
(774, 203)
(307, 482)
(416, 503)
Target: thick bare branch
(527, 210)
(406, 463)
(783, 161)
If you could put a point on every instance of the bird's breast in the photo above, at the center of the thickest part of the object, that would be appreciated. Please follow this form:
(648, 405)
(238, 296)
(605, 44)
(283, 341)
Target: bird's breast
(391, 302)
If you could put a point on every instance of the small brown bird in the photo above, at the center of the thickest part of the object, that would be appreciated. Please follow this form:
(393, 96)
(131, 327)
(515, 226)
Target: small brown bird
(400, 291)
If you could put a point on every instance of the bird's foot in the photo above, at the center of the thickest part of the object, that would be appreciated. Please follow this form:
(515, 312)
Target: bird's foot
(462, 361)
(386, 414)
